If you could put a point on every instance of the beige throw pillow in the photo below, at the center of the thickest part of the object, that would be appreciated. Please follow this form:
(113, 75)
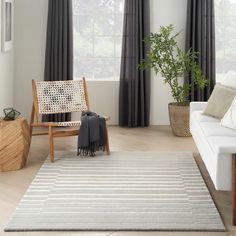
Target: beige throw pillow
(220, 101)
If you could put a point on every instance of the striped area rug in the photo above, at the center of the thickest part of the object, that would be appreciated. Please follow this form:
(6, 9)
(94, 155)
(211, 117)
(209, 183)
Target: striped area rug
(125, 191)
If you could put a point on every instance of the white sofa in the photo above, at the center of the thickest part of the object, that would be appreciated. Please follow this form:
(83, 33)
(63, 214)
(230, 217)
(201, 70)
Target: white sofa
(216, 145)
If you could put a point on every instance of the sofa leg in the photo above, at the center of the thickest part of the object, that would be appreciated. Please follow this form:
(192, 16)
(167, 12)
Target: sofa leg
(234, 188)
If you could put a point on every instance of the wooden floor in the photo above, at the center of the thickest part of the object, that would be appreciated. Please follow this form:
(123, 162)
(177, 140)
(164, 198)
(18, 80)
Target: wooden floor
(14, 184)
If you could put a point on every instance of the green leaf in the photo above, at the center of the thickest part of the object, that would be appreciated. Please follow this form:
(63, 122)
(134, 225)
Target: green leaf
(168, 59)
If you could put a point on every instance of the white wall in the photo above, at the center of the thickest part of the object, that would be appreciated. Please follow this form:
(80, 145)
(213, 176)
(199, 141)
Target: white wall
(165, 12)
(30, 30)
(30, 39)
(6, 78)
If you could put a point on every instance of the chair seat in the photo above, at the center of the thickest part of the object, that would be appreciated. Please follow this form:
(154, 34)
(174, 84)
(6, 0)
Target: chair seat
(73, 123)
(68, 123)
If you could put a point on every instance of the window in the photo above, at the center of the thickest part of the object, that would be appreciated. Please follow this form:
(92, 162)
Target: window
(225, 16)
(98, 29)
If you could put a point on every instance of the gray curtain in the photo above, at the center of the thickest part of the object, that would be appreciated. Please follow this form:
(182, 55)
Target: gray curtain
(59, 47)
(201, 37)
(134, 101)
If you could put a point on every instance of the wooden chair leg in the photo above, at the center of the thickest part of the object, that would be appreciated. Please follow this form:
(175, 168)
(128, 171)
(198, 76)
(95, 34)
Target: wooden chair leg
(107, 141)
(51, 144)
(234, 188)
(32, 121)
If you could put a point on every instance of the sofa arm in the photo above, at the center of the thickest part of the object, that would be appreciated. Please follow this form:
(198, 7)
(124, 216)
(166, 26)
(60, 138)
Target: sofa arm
(197, 106)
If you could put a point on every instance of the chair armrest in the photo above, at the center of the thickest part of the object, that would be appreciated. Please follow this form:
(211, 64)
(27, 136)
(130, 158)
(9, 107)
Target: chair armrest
(197, 106)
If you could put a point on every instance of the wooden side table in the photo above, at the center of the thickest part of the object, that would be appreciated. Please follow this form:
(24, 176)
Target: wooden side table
(14, 144)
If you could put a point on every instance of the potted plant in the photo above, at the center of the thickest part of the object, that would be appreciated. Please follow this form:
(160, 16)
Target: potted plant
(173, 64)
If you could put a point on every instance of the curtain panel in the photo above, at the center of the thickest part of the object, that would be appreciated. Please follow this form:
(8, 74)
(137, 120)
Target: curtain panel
(201, 38)
(134, 97)
(59, 48)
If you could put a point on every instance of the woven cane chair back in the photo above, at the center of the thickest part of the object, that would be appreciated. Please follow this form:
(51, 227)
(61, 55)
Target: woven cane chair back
(56, 97)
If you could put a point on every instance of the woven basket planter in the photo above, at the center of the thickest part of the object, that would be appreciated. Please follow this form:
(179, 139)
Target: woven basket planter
(179, 120)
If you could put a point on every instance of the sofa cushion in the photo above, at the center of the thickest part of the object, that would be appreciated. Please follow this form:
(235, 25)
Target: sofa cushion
(215, 129)
(200, 117)
(216, 151)
(224, 145)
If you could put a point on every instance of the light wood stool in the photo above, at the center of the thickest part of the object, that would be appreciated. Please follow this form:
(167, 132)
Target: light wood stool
(14, 144)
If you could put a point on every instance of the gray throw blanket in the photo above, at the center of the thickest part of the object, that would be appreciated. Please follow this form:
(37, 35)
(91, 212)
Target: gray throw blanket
(92, 134)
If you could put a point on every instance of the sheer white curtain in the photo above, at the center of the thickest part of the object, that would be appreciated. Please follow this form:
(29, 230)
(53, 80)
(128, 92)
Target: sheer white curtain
(225, 15)
(98, 28)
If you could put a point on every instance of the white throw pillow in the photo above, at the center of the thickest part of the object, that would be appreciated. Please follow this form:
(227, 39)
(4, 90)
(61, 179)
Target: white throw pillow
(229, 119)
(230, 80)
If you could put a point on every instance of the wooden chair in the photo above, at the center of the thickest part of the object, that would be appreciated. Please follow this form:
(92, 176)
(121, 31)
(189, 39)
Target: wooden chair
(56, 97)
